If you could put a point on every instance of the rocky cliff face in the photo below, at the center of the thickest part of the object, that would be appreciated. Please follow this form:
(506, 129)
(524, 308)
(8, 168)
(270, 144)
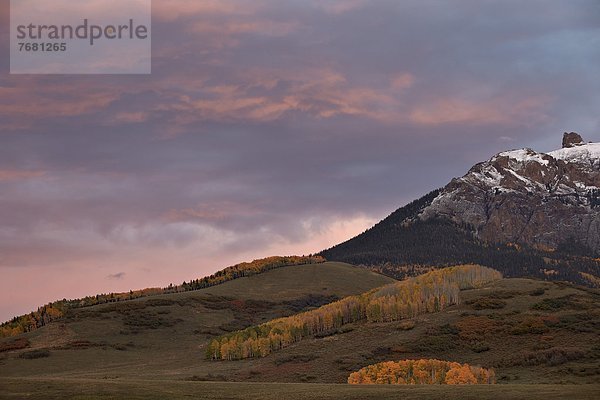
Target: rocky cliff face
(522, 196)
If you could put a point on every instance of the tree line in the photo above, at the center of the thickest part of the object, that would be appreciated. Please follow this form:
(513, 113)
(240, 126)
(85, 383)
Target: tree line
(403, 240)
(422, 372)
(57, 309)
(430, 292)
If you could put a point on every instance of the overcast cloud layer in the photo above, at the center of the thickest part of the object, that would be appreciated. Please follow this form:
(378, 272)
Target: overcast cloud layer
(272, 127)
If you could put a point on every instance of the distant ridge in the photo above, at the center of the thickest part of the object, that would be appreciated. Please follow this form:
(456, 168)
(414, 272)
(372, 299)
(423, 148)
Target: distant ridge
(57, 309)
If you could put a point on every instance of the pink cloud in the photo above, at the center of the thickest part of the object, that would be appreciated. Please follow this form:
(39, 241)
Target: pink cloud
(29, 101)
(402, 80)
(131, 117)
(323, 93)
(170, 10)
(265, 94)
(16, 175)
(499, 110)
(230, 28)
(340, 6)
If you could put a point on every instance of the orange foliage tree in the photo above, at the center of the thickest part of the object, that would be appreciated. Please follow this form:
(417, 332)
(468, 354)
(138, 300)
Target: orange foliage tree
(422, 372)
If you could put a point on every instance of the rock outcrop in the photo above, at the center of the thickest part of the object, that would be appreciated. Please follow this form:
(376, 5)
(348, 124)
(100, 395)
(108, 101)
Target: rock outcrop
(571, 139)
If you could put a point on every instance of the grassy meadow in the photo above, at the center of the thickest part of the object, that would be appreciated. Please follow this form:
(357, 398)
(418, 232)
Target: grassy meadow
(86, 389)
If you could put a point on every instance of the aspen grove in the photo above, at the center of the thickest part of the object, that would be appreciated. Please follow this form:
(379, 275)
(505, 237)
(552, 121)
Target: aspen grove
(426, 293)
(422, 372)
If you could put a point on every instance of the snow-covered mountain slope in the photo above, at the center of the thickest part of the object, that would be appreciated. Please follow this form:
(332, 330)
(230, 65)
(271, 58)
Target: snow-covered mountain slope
(586, 154)
(522, 196)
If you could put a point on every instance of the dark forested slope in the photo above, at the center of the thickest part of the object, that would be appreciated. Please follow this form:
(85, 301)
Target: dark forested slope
(403, 244)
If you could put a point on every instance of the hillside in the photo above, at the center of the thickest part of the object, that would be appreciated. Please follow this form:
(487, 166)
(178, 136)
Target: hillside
(427, 293)
(163, 335)
(58, 309)
(552, 329)
(524, 213)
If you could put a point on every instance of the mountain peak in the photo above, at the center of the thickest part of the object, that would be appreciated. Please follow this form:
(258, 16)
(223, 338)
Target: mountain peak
(500, 213)
(524, 196)
(572, 139)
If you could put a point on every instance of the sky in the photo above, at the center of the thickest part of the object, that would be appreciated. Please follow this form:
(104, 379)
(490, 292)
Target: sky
(272, 127)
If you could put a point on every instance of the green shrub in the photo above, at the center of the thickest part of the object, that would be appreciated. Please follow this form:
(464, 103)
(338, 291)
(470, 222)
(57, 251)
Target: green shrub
(297, 358)
(345, 329)
(486, 303)
(531, 325)
(206, 378)
(537, 292)
(448, 329)
(551, 304)
(503, 294)
(480, 347)
(433, 344)
(33, 354)
(551, 357)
